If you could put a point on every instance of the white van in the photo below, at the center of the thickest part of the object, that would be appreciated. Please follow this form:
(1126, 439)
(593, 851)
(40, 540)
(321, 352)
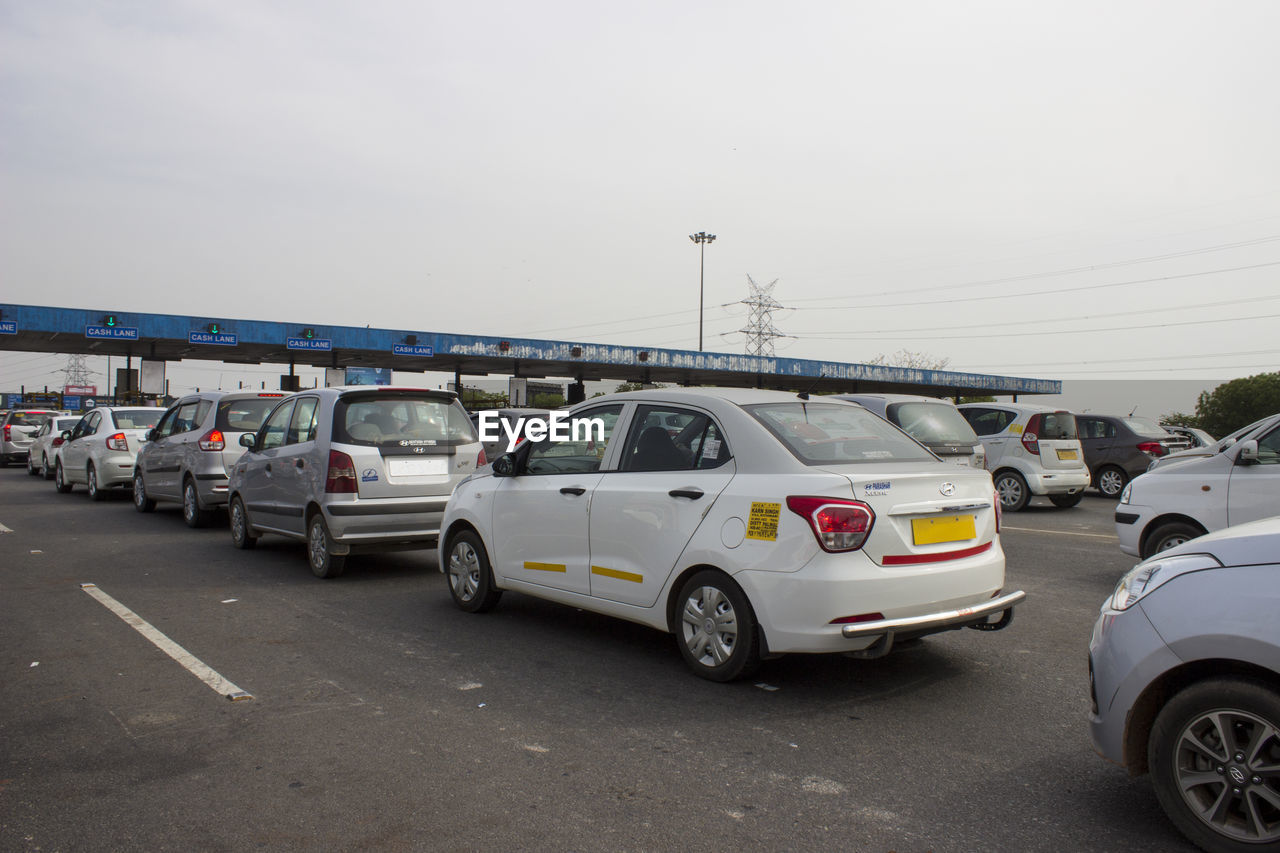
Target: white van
(1168, 506)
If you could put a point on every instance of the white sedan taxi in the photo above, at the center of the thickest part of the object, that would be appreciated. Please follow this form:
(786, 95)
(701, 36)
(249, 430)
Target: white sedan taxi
(768, 523)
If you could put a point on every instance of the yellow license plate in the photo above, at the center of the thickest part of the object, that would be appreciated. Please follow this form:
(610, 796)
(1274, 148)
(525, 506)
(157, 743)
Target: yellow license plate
(1067, 454)
(951, 528)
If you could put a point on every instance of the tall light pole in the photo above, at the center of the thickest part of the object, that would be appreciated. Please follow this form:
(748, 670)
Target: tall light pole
(702, 238)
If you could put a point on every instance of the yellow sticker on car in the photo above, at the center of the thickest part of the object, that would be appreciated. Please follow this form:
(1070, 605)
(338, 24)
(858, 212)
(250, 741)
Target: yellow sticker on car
(617, 573)
(1015, 428)
(546, 567)
(763, 521)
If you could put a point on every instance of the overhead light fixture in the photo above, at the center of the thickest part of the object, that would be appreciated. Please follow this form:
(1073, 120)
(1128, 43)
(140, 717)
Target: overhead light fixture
(308, 333)
(110, 320)
(411, 340)
(213, 328)
(504, 346)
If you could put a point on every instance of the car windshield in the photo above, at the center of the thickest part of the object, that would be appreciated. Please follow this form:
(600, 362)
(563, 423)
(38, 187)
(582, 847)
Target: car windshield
(244, 415)
(64, 424)
(827, 433)
(1146, 427)
(1057, 425)
(137, 418)
(933, 423)
(389, 418)
(29, 419)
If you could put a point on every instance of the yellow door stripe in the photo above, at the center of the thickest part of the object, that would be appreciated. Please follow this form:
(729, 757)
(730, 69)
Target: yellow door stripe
(617, 573)
(545, 567)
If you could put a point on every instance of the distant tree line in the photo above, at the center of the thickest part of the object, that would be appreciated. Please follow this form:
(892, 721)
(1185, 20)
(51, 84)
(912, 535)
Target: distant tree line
(1232, 405)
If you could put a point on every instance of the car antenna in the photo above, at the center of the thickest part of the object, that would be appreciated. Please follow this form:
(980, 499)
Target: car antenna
(1134, 409)
(804, 395)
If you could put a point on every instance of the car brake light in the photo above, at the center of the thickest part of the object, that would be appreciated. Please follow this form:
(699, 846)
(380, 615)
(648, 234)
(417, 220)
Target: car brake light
(118, 442)
(57, 442)
(212, 440)
(1030, 439)
(481, 461)
(341, 478)
(861, 617)
(838, 525)
(6, 433)
(1154, 448)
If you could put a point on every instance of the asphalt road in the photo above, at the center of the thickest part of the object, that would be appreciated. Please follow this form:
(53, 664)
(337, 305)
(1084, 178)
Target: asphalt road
(383, 718)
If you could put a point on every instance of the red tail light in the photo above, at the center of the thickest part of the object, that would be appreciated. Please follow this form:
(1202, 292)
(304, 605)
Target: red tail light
(57, 442)
(6, 433)
(1154, 448)
(481, 460)
(861, 617)
(212, 440)
(118, 442)
(341, 478)
(839, 525)
(1031, 437)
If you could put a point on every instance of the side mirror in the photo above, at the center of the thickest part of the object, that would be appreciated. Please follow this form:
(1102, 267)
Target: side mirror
(1248, 454)
(66, 435)
(151, 435)
(505, 465)
(249, 440)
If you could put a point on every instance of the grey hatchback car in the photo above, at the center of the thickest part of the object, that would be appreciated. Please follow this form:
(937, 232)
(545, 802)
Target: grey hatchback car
(352, 469)
(1184, 677)
(189, 455)
(1118, 448)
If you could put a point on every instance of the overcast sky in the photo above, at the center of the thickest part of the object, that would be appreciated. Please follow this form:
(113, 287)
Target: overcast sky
(1057, 190)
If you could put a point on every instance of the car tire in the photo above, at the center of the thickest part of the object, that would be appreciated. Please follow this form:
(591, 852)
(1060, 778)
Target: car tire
(242, 535)
(1012, 488)
(1066, 501)
(192, 513)
(31, 468)
(1169, 535)
(324, 563)
(59, 479)
(716, 628)
(141, 502)
(46, 470)
(470, 573)
(91, 483)
(1206, 752)
(1111, 481)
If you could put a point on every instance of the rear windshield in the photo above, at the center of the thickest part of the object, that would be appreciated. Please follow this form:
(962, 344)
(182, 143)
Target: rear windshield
(1057, 425)
(826, 433)
(244, 415)
(65, 424)
(933, 423)
(1146, 427)
(31, 419)
(389, 419)
(137, 418)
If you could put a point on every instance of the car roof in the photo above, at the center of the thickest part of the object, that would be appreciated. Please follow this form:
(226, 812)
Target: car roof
(895, 398)
(736, 396)
(1031, 408)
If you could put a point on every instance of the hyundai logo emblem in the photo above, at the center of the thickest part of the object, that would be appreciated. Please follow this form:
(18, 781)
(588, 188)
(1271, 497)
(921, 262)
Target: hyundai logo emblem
(419, 450)
(947, 489)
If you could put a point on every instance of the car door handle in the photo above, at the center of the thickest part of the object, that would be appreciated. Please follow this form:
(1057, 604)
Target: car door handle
(691, 494)
(573, 490)
(300, 463)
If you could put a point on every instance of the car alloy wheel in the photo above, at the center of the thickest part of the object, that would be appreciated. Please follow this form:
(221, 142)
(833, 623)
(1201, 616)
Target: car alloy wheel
(1012, 490)
(470, 575)
(1215, 761)
(59, 478)
(1111, 482)
(141, 502)
(716, 628)
(192, 513)
(91, 483)
(324, 563)
(241, 533)
(31, 466)
(46, 470)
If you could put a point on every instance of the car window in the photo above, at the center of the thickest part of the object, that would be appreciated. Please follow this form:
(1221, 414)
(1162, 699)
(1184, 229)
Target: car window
(932, 422)
(167, 421)
(584, 450)
(138, 418)
(302, 426)
(1269, 448)
(91, 423)
(1146, 427)
(390, 418)
(1095, 428)
(243, 415)
(185, 419)
(669, 439)
(826, 433)
(275, 429)
(988, 421)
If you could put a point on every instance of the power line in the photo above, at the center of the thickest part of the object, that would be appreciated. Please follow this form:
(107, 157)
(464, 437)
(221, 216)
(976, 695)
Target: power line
(1129, 360)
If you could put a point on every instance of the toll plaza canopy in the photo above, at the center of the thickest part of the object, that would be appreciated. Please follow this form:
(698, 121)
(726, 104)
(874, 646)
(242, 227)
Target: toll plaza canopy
(30, 328)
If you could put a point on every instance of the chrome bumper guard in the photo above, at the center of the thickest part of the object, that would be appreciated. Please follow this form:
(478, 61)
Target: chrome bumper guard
(931, 623)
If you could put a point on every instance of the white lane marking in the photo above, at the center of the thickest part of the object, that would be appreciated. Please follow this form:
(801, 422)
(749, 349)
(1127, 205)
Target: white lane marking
(1062, 532)
(193, 664)
(4, 529)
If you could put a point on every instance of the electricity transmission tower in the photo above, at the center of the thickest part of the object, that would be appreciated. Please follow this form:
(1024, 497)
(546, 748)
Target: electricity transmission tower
(760, 330)
(77, 371)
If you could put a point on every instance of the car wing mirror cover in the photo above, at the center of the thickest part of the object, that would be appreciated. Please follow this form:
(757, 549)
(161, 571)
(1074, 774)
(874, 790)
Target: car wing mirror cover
(1248, 454)
(248, 440)
(505, 465)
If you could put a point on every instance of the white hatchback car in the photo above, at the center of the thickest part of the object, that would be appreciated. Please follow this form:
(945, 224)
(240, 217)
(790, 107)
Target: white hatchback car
(1031, 451)
(768, 524)
(1168, 506)
(100, 450)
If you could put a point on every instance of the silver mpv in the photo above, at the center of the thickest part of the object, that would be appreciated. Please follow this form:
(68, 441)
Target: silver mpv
(352, 469)
(189, 455)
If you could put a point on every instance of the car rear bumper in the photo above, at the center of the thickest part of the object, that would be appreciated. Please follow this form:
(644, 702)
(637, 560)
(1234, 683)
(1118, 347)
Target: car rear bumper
(1063, 482)
(371, 522)
(944, 620)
